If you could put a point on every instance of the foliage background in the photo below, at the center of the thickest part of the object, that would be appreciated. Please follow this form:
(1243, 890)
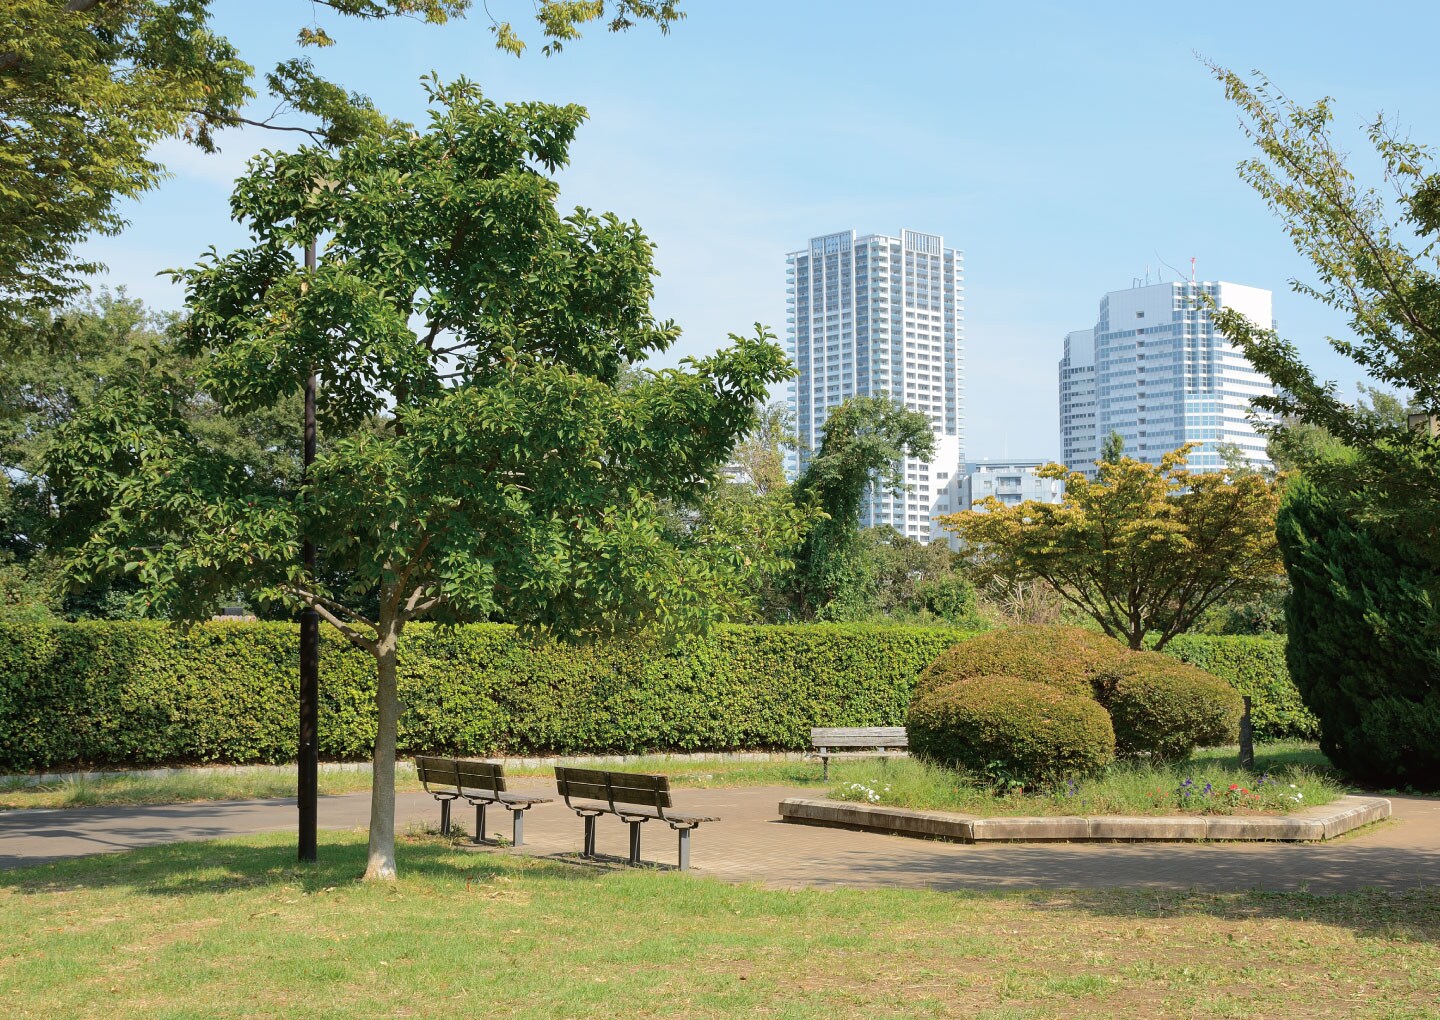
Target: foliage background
(136, 693)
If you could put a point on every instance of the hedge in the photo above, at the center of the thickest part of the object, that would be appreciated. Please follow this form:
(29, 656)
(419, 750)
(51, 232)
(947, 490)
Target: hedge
(1168, 708)
(140, 693)
(1005, 726)
(1254, 666)
(1066, 658)
(113, 693)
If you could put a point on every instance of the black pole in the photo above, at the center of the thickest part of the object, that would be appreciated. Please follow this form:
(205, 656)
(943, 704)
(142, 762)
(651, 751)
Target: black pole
(308, 771)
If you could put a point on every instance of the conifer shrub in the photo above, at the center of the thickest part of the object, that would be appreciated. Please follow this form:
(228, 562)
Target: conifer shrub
(1004, 725)
(1363, 619)
(1167, 709)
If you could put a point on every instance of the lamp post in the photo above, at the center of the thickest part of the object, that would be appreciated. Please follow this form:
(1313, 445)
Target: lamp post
(308, 765)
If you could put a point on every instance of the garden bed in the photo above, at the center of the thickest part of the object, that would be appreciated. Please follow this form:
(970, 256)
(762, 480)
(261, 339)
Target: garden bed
(1306, 825)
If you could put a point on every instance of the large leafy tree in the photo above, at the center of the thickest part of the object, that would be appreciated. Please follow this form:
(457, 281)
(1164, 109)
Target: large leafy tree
(865, 443)
(1144, 549)
(80, 352)
(1376, 260)
(87, 87)
(496, 458)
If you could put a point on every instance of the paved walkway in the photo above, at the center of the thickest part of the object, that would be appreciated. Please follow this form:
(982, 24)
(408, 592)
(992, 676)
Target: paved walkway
(751, 844)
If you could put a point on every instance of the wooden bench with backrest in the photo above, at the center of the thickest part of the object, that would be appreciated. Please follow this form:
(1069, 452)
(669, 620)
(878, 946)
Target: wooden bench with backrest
(480, 783)
(634, 797)
(858, 742)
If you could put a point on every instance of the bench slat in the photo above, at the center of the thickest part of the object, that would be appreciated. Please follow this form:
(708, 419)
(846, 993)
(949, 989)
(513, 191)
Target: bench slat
(617, 788)
(481, 775)
(440, 772)
(854, 736)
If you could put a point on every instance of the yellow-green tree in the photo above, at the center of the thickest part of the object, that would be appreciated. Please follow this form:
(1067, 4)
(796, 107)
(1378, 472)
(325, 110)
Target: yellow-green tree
(1143, 549)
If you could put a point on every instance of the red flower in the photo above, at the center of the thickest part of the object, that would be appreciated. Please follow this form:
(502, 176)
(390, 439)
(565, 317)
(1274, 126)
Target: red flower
(1234, 787)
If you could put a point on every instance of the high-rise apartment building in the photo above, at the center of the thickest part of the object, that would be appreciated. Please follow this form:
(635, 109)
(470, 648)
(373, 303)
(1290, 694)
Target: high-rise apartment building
(1155, 370)
(882, 316)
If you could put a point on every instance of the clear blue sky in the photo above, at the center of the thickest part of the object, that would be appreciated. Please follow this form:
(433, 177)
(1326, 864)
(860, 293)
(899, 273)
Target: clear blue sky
(1065, 147)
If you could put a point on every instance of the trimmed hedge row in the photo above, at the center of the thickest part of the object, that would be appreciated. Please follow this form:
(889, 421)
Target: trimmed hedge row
(142, 693)
(1254, 666)
(139, 693)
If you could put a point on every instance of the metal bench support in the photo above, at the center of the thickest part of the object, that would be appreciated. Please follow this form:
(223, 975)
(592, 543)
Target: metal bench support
(445, 817)
(589, 848)
(635, 841)
(480, 822)
(684, 849)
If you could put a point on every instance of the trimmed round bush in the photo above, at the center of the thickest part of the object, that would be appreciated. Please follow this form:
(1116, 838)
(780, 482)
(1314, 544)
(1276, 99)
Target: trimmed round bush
(1031, 731)
(1168, 708)
(1069, 659)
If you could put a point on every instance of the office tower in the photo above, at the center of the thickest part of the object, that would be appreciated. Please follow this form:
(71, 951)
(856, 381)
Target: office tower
(1162, 376)
(882, 316)
(1077, 402)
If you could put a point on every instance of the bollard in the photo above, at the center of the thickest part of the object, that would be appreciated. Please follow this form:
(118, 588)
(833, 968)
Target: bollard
(1247, 737)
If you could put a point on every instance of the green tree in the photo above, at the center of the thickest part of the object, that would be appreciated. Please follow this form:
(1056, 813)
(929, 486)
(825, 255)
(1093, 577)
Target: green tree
(1144, 549)
(86, 348)
(1375, 255)
(1112, 449)
(760, 457)
(87, 87)
(491, 464)
(865, 443)
(1364, 637)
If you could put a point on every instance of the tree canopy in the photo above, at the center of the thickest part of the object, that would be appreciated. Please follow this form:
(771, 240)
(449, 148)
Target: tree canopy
(1375, 255)
(493, 456)
(87, 87)
(865, 443)
(1144, 549)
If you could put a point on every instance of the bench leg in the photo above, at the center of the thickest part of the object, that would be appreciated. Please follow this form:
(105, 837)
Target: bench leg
(518, 838)
(825, 767)
(480, 822)
(635, 843)
(445, 818)
(684, 849)
(589, 850)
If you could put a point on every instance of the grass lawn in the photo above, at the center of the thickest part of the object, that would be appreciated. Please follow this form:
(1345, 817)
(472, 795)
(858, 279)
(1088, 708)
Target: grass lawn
(236, 929)
(1286, 778)
(939, 791)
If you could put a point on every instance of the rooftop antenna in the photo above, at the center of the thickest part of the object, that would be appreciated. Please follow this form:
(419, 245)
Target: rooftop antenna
(1178, 275)
(1192, 268)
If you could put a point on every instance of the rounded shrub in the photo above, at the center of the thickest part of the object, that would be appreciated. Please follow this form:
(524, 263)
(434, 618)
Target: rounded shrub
(1069, 659)
(1168, 708)
(1030, 731)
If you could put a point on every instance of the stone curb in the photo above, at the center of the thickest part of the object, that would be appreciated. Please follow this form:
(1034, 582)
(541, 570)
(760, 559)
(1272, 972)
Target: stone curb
(1309, 825)
(401, 765)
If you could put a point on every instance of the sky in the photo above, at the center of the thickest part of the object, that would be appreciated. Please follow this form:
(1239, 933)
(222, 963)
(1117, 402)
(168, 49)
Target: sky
(1068, 149)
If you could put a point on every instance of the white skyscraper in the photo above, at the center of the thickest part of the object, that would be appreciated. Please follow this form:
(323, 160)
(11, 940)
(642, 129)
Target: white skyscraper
(1158, 373)
(882, 316)
(1077, 402)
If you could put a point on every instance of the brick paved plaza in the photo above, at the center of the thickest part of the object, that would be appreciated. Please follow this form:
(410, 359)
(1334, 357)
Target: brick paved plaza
(751, 844)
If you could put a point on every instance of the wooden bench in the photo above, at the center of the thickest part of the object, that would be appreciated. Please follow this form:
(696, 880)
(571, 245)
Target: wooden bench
(634, 797)
(481, 783)
(874, 742)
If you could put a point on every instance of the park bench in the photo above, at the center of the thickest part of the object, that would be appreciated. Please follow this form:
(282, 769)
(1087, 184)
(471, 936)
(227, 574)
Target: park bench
(857, 742)
(481, 783)
(634, 797)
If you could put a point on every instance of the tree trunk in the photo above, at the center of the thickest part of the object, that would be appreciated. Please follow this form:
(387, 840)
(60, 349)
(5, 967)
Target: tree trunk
(381, 864)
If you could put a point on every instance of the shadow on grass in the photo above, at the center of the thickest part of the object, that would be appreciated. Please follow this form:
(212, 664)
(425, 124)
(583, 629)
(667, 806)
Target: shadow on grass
(1412, 915)
(185, 869)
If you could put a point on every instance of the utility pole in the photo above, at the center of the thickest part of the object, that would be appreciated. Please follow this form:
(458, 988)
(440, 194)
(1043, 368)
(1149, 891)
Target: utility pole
(308, 771)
